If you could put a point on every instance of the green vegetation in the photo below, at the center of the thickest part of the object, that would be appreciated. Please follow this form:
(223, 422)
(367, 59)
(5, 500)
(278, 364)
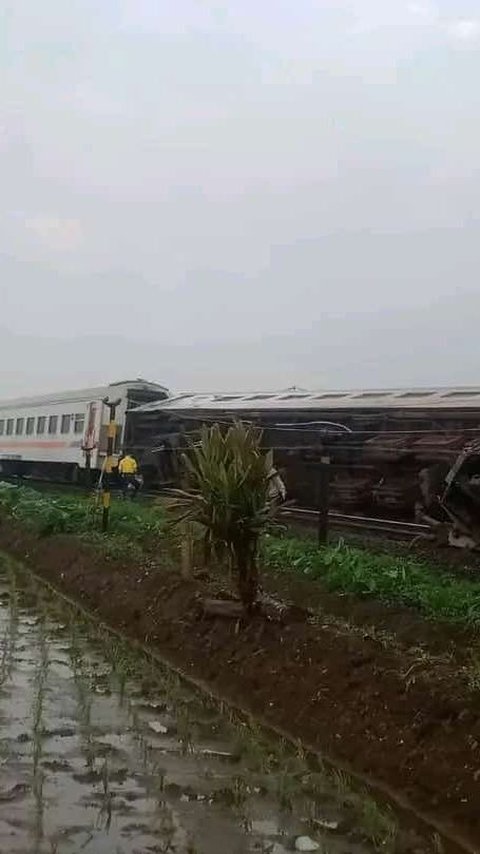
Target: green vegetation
(227, 494)
(44, 514)
(134, 528)
(392, 579)
(139, 531)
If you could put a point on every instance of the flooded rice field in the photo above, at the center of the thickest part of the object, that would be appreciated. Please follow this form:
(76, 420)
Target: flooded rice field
(102, 750)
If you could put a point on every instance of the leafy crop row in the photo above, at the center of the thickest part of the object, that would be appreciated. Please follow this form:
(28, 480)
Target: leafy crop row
(391, 579)
(80, 515)
(137, 529)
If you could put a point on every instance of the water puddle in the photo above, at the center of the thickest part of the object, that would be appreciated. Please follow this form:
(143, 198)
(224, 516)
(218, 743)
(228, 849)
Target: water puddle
(104, 752)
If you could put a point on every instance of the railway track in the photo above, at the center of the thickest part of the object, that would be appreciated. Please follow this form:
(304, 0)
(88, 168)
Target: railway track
(389, 527)
(392, 528)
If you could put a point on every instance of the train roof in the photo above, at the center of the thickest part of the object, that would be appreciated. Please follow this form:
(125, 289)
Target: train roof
(458, 397)
(81, 394)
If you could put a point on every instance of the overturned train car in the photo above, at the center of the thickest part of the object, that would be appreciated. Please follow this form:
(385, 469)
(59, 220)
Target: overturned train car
(388, 448)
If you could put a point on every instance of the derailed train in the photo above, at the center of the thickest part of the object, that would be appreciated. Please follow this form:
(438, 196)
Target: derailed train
(390, 450)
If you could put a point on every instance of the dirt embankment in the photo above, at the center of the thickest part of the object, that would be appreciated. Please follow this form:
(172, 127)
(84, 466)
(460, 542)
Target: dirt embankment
(412, 726)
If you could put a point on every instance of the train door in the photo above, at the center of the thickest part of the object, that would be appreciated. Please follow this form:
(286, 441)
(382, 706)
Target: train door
(91, 435)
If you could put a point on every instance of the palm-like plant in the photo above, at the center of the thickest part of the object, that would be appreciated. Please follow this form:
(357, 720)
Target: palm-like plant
(227, 492)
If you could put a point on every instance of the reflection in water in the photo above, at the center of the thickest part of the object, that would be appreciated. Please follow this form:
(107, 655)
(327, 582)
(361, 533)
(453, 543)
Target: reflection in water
(39, 690)
(102, 751)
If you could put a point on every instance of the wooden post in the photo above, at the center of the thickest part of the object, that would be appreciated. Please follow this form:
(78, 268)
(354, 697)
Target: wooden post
(186, 548)
(88, 467)
(112, 432)
(323, 500)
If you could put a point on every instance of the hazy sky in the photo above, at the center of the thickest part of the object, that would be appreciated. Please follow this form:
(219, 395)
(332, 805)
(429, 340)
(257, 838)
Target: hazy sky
(243, 194)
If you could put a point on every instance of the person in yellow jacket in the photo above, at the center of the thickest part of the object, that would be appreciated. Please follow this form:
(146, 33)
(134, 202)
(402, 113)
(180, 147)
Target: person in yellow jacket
(128, 471)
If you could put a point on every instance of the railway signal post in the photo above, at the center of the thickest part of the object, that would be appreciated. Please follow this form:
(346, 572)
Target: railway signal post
(112, 432)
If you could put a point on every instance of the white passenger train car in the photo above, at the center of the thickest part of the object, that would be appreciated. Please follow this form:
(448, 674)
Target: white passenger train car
(54, 435)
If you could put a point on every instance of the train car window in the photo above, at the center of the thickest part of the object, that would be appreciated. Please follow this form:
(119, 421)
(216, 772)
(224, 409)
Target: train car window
(19, 426)
(371, 395)
(65, 424)
(467, 393)
(52, 424)
(332, 395)
(78, 422)
(2, 426)
(294, 396)
(417, 394)
(9, 426)
(30, 426)
(41, 424)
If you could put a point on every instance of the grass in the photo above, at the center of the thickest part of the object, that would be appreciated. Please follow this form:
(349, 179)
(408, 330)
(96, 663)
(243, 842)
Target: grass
(138, 530)
(378, 824)
(388, 578)
(134, 528)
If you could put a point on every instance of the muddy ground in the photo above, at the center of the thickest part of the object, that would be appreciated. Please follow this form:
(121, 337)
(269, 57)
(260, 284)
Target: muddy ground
(105, 752)
(381, 691)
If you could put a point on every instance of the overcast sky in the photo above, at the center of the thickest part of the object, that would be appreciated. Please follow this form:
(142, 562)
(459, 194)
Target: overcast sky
(242, 194)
